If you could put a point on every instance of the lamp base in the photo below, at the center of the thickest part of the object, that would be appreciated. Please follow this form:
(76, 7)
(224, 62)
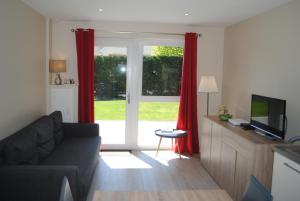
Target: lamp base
(58, 80)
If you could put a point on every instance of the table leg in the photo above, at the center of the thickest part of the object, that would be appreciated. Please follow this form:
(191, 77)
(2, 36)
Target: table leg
(172, 142)
(178, 142)
(158, 146)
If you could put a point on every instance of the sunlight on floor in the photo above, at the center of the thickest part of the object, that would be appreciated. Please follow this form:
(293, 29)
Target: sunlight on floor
(123, 160)
(163, 157)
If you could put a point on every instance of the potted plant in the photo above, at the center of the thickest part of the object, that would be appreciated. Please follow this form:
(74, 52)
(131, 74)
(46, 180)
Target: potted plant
(223, 113)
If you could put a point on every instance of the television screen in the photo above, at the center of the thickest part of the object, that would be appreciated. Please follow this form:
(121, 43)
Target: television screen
(268, 114)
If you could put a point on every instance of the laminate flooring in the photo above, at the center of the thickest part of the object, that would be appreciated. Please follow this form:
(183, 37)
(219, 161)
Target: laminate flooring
(185, 195)
(141, 174)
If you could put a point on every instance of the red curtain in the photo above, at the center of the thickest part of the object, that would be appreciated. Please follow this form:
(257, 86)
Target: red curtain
(187, 115)
(85, 59)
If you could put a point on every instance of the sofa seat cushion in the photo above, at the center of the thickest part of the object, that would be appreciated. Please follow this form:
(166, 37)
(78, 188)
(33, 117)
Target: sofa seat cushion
(82, 152)
(45, 138)
(21, 148)
(58, 126)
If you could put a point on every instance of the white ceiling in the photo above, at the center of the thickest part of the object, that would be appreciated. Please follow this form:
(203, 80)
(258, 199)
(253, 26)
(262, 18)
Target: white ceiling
(201, 12)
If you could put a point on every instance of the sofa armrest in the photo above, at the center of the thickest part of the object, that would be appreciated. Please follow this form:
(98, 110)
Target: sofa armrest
(43, 183)
(80, 129)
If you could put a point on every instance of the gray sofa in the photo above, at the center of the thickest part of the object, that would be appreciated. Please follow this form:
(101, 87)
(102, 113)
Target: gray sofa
(34, 160)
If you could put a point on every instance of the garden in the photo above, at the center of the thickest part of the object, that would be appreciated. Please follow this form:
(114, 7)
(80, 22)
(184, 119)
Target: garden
(161, 77)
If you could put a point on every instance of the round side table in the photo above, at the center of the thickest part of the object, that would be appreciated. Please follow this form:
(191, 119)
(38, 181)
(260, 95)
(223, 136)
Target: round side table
(170, 134)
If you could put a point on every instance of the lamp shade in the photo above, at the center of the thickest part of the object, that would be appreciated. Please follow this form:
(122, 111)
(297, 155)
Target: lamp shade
(208, 84)
(57, 66)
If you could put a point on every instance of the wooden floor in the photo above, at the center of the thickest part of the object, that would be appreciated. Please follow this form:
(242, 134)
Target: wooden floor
(142, 172)
(186, 195)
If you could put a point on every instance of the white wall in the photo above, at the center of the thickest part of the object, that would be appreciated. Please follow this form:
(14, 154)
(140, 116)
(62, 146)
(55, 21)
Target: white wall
(261, 56)
(22, 66)
(210, 52)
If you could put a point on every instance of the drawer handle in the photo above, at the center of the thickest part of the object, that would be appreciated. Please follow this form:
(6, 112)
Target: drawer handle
(292, 168)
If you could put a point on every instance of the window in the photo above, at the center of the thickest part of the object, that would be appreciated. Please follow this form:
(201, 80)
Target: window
(110, 92)
(162, 70)
(110, 73)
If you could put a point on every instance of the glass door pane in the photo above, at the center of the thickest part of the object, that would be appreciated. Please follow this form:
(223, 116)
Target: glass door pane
(159, 102)
(153, 116)
(110, 93)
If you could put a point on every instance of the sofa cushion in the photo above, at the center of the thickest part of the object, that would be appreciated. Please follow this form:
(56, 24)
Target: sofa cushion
(21, 148)
(45, 138)
(79, 151)
(58, 126)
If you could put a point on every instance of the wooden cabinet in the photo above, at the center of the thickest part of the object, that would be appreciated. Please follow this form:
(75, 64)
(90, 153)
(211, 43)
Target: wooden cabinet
(243, 168)
(215, 155)
(231, 155)
(227, 168)
(205, 148)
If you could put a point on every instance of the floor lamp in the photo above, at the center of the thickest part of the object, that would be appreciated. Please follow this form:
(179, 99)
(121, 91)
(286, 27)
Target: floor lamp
(208, 85)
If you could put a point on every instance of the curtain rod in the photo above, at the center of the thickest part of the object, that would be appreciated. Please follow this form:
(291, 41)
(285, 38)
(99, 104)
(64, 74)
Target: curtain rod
(133, 32)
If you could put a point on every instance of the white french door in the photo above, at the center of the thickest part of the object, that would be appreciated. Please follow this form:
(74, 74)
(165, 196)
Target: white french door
(122, 107)
(114, 86)
(161, 96)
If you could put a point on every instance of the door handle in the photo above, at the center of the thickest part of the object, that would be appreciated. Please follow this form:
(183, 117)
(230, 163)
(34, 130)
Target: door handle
(128, 97)
(292, 168)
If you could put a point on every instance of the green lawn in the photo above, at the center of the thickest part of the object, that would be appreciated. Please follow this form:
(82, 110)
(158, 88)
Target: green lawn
(152, 111)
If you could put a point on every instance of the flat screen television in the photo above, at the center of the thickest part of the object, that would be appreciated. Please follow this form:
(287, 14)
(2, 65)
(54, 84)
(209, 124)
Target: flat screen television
(268, 115)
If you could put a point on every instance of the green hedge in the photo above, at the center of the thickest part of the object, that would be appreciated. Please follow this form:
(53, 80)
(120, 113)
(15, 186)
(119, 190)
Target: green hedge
(161, 76)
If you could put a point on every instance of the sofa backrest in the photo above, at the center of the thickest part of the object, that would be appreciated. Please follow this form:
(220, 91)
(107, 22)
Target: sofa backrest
(19, 148)
(32, 143)
(58, 126)
(45, 137)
